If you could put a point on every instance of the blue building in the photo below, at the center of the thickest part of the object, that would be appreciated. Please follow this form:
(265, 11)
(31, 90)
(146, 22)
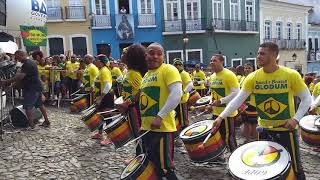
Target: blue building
(116, 24)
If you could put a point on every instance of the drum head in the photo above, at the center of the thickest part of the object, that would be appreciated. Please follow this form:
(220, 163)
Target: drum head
(133, 166)
(204, 100)
(119, 100)
(197, 129)
(308, 123)
(117, 118)
(259, 160)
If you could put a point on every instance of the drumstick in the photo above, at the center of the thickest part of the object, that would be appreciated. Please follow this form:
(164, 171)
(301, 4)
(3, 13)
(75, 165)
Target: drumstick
(192, 108)
(75, 92)
(105, 112)
(135, 139)
(199, 114)
(261, 129)
(201, 146)
(116, 116)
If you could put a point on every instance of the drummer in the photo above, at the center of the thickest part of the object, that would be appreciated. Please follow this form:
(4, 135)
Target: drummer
(199, 79)
(224, 87)
(116, 77)
(90, 73)
(161, 91)
(182, 108)
(274, 87)
(135, 60)
(103, 93)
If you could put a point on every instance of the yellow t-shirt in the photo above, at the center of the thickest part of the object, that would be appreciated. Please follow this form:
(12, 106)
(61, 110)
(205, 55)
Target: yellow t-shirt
(311, 87)
(103, 77)
(115, 73)
(221, 84)
(274, 94)
(131, 84)
(71, 68)
(199, 76)
(154, 94)
(44, 70)
(185, 77)
(89, 74)
(316, 93)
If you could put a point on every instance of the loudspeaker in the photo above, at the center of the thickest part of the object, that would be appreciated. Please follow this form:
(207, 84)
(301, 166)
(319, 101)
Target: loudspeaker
(19, 117)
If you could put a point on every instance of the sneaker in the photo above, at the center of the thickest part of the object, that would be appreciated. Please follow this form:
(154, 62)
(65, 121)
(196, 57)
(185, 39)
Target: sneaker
(45, 124)
(96, 136)
(105, 142)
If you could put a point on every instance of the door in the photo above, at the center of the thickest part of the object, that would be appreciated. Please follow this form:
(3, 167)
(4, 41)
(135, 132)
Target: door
(79, 45)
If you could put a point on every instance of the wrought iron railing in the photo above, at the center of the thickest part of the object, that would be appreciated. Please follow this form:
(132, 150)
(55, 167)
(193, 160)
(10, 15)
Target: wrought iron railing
(54, 13)
(75, 12)
(101, 21)
(146, 19)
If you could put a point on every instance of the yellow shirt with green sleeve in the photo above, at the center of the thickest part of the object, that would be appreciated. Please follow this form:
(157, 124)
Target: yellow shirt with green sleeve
(274, 94)
(185, 77)
(89, 74)
(154, 94)
(103, 77)
(198, 76)
(71, 68)
(131, 85)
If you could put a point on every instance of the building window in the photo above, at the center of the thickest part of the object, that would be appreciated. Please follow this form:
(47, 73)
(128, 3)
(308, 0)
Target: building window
(101, 7)
(218, 9)
(235, 10)
(250, 10)
(194, 55)
(75, 3)
(146, 6)
(252, 61)
(236, 62)
(104, 49)
(172, 10)
(53, 3)
(79, 46)
(299, 31)
(55, 46)
(192, 8)
(124, 6)
(3, 13)
(267, 29)
(289, 31)
(174, 54)
(279, 30)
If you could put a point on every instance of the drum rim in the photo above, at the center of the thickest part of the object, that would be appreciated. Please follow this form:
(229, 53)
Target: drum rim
(115, 121)
(223, 150)
(209, 97)
(144, 158)
(196, 136)
(272, 142)
(89, 114)
(302, 124)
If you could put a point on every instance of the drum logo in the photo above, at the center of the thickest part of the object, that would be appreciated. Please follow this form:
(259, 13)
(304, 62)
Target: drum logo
(260, 156)
(149, 101)
(271, 107)
(196, 130)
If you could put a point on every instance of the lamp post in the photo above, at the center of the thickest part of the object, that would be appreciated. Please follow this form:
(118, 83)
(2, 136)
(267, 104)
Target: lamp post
(185, 42)
(294, 58)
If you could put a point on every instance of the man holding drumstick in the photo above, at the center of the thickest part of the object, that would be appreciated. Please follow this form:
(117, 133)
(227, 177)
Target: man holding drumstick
(274, 87)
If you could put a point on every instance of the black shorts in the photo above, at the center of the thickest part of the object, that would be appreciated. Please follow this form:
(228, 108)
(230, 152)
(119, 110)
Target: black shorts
(32, 99)
(106, 102)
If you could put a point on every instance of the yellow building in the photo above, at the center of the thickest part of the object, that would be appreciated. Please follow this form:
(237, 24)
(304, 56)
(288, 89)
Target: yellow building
(68, 27)
(286, 24)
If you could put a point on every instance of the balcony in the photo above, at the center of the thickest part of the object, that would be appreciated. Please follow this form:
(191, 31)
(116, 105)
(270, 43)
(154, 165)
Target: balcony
(75, 13)
(313, 56)
(54, 14)
(101, 21)
(288, 43)
(195, 25)
(220, 25)
(146, 20)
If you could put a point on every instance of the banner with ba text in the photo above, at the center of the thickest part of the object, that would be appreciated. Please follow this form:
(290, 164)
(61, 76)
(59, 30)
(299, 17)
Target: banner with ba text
(34, 35)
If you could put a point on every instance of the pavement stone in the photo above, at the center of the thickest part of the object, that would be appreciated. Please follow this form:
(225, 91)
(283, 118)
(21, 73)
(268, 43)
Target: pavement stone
(66, 151)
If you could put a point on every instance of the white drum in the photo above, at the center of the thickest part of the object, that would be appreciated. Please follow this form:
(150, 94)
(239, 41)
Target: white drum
(261, 160)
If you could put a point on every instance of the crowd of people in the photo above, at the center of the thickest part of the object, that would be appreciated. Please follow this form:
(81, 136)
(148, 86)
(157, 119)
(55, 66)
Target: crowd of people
(155, 96)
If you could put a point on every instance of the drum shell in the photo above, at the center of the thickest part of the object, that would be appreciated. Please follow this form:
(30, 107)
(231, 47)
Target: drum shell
(79, 103)
(145, 171)
(212, 148)
(193, 97)
(92, 120)
(120, 132)
(310, 137)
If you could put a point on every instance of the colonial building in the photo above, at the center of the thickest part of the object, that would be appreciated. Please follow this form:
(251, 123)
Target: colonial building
(285, 23)
(68, 27)
(195, 30)
(116, 24)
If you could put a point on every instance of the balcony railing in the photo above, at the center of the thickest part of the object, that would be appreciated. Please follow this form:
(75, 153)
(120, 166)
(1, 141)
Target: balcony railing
(234, 25)
(184, 24)
(76, 12)
(146, 19)
(288, 43)
(101, 21)
(54, 13)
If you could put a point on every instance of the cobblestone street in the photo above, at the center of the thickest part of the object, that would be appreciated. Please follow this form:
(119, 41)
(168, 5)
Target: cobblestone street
(65, 151)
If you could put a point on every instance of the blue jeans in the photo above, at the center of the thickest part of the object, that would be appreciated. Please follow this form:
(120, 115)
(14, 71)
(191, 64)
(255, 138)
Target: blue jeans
(32, 99)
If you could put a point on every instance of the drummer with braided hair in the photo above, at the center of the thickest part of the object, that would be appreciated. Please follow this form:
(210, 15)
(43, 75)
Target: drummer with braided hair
(103, 93)
(135, 60)
(187, 85)
(90, 73)
(274, 87)
(161, 91)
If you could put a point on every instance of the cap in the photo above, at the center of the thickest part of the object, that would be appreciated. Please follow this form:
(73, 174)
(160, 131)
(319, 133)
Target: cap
(177, 61)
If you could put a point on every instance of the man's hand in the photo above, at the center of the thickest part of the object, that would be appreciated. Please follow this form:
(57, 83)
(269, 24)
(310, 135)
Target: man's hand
(156, 122)
(312, 110)
(217, 123)
(216, 102)
(208, 108)
(122, 107)
(291, 124)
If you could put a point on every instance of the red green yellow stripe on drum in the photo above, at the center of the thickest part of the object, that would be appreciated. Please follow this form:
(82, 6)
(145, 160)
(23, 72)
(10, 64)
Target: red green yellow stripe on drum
(93, 122)
(120, 135)
(312, 139)
(149, 173)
